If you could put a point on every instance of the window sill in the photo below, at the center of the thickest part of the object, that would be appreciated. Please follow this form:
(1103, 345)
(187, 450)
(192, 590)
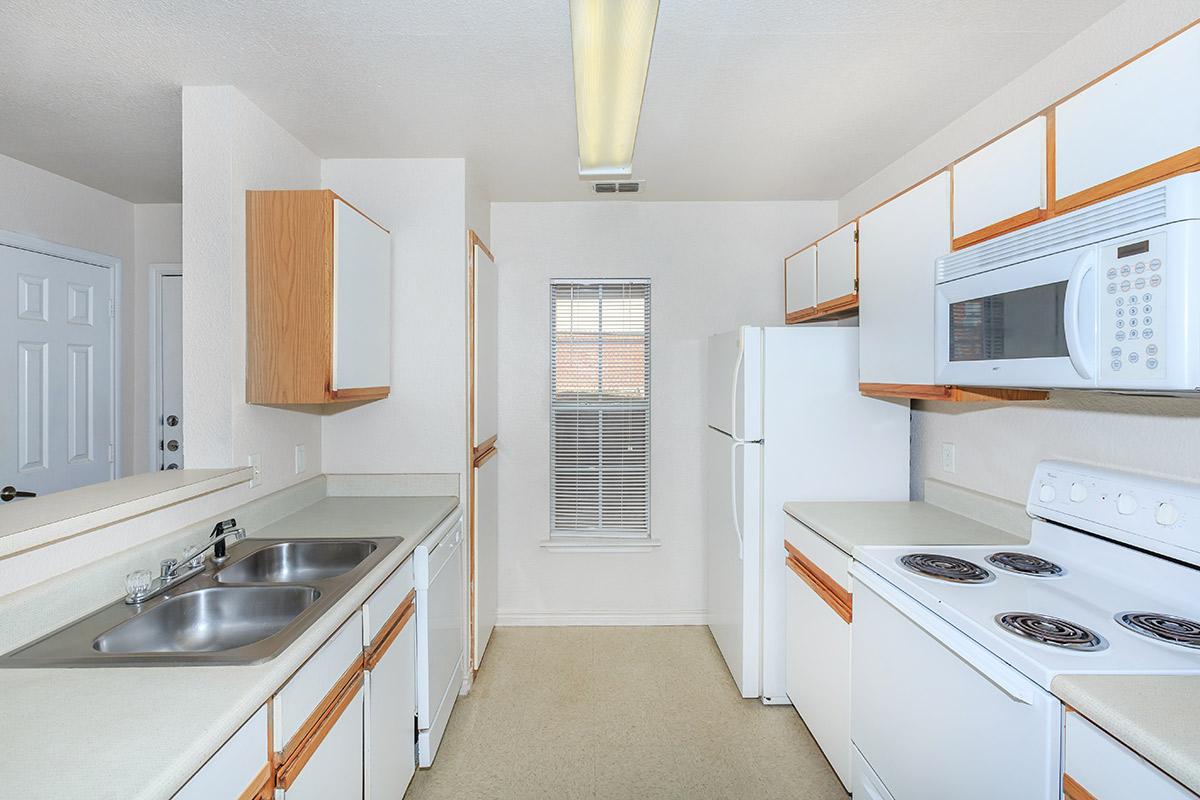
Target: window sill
(607, 545)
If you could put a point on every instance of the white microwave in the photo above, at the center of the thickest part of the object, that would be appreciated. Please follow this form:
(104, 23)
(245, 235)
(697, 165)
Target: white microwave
(1107, 297)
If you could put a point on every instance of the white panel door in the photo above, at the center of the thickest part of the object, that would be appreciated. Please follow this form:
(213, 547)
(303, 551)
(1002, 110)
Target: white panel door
(800, 280)
(56, 360)
(234, 767)
(169, 362)
(391, 715)
(897, 245)
(485, 554)
(362, 301)
(1004, 179)
(335, 769)
(1141, 114)
(837, 263)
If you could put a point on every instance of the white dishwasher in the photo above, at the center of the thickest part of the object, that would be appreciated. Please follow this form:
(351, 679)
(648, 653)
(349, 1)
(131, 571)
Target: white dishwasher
(441, 632)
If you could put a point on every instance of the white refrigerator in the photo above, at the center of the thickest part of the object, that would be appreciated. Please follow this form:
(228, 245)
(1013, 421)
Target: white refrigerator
(785, 422)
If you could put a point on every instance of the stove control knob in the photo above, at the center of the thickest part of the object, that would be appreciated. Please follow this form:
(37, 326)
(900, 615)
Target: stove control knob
(1078, 493)
(1126, 503)
(1166, 514)
(1046, 493)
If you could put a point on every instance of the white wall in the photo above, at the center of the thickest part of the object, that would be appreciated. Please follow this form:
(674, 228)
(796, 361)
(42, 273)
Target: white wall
(157, 239)
(421, 425)
(997, 446)
(38, 203)
(229, 146)
(712, 267)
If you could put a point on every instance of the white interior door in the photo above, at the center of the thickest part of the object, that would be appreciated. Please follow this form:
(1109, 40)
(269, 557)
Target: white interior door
(56, 360)
(485, 552)
(169, 369)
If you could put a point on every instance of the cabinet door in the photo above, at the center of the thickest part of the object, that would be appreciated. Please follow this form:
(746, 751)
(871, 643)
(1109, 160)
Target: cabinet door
(362, 301)
(1001, 187)
(800, 281)
(837, 264)
(335, 767)
(897, 245)
(1097, 765)
(240, 764)
(391, 718)
(1141, 121)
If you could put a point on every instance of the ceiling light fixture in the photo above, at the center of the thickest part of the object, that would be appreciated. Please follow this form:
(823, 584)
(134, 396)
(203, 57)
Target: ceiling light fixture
(610, 47)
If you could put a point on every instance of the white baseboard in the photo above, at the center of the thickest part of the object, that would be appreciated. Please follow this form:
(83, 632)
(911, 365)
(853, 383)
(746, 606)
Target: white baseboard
(598, 618)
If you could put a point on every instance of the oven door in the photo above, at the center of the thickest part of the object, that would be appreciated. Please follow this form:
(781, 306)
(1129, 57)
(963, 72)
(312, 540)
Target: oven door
(1029, 325)
(939, 717)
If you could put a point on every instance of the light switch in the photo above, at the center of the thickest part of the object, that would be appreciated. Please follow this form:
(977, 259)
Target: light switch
(255, 462)
(300, 465)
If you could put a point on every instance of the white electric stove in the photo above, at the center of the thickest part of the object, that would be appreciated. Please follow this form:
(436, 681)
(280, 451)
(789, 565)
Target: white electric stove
(955, 648)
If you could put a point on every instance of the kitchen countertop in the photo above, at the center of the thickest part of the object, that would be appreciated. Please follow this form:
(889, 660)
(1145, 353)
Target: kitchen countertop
(139, 733)
(847, 525)
(1153, 715)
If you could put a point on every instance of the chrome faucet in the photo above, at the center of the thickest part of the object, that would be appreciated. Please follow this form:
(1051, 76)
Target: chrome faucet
(139, 587)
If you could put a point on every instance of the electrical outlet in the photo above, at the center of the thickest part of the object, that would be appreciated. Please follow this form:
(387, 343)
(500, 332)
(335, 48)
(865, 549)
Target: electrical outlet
(948, 457)
(300, 462)
(255, 462)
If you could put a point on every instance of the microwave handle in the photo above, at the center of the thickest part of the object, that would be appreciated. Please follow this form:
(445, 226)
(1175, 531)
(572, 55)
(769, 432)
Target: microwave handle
(1079, 360)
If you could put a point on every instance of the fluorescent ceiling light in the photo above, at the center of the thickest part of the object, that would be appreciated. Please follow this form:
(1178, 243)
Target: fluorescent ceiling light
(610, 45)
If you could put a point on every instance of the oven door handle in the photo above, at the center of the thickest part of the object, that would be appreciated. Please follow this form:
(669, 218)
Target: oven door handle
(1079, 360)
(975, 656)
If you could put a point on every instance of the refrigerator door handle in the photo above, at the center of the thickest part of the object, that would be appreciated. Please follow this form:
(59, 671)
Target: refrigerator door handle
(733, 495)
(733, 393)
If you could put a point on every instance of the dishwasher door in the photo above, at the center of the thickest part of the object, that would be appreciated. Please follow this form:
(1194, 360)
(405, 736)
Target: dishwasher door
(441, 619)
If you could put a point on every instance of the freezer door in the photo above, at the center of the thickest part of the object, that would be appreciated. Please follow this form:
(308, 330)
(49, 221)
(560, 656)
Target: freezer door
(732, 513)
(734, 401)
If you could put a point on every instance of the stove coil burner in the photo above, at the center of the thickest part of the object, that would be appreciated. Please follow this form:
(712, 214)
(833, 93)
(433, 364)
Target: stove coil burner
(1163, 627)
(945, 568)
(1051, 631)
(1025, 564)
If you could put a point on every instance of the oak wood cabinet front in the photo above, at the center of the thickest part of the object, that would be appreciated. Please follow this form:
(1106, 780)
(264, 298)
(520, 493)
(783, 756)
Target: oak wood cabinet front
(318, 300)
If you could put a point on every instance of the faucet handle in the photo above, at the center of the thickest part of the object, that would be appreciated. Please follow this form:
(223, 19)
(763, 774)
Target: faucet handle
(167, 567)
(192, 557)
(137, 584)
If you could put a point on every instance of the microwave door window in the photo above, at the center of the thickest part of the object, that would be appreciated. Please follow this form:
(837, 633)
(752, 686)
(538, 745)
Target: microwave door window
(1027, 323)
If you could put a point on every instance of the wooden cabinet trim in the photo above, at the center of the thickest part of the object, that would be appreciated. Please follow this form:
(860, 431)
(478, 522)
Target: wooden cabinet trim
(1015, 222)
(321, 712)
(829, 590)
(1187, 161)
(1072, 790)
(375, 652)
(362, 393)
(951, 394)
(838, 306)
(300, 755)
(335, 196)
(483, 456)
(262, 787)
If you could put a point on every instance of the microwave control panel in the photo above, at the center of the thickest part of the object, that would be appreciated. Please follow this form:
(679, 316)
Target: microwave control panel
(1133, 309)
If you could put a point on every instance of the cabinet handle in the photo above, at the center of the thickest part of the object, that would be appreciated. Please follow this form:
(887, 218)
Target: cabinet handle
(376, 650)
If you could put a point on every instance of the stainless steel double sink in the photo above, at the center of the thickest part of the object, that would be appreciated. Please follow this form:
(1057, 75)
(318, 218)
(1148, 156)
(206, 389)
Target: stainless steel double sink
(245, 611)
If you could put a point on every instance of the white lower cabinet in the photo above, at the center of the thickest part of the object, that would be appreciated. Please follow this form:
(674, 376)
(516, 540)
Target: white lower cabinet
(335, 764)
(818, 644)
(1098, 766)
(391, 687)
(239, 767)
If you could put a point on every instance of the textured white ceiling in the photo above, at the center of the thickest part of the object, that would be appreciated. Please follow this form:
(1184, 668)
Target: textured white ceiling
(762, 99)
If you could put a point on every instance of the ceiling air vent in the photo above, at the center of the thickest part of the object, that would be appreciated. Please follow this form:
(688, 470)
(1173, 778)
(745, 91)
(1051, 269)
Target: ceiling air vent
(617, 187)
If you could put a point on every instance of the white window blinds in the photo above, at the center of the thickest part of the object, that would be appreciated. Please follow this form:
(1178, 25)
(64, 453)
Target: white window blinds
(600, 408)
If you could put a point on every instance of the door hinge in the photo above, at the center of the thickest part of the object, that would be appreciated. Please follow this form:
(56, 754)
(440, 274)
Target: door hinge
(856, 285)
(856, 235)
(112, 307)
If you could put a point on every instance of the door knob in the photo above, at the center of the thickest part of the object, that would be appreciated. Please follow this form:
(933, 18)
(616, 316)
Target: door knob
(10, 493)
(172, 420)
(173, 445)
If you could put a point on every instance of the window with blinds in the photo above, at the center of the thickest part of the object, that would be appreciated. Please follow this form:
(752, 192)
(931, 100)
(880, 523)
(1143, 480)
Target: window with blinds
(600, 408)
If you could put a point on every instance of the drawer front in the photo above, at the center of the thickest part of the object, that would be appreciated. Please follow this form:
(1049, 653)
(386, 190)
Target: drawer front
(240, 763)
(301, 695)
(381, 605)
(832, 561)
(1105, 769)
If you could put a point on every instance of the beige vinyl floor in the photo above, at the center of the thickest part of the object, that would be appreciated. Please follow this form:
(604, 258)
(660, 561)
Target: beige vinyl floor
(614, 713)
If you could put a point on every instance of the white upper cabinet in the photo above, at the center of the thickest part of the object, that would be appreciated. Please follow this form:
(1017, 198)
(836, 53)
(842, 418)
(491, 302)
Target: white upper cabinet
(362, 300)
(837, 264)
(800, 280)
(897, 245)
(1002, 186)
(1140, 115)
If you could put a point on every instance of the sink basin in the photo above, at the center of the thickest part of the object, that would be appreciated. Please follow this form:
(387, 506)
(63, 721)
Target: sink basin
(298, 561)
(209, 620)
